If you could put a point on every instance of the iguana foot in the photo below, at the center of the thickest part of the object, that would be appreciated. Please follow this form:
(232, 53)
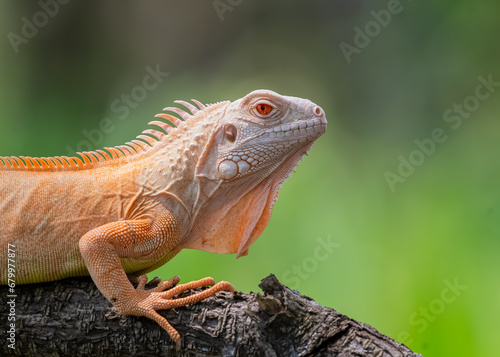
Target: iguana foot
(147, 302)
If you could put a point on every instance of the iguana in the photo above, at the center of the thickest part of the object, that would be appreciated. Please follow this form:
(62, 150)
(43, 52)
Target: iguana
(207, 182)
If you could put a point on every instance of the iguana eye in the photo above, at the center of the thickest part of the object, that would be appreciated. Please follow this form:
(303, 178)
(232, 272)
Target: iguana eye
(264, 109)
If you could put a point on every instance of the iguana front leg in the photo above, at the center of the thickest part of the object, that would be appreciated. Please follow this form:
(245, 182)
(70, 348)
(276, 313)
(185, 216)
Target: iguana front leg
(144, 244)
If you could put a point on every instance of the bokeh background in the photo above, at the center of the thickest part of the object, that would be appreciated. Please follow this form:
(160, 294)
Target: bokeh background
(410, 248)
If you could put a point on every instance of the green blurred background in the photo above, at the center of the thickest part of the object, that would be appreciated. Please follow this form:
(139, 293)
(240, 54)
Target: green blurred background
(417, 258)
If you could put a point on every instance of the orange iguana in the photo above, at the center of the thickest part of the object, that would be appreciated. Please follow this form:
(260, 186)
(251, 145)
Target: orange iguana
(210, 183)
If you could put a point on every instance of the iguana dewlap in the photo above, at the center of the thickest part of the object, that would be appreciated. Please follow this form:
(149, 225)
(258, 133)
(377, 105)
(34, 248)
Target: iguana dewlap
(210, 183)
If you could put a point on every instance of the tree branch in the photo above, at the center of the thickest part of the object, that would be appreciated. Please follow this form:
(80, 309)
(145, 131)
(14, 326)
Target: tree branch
(71, 317)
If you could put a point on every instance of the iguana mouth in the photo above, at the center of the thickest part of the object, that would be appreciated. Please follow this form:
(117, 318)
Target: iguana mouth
(306, 130)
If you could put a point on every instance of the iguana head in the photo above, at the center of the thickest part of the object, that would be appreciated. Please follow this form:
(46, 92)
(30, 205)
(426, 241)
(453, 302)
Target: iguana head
(255, 145)
(262, 132)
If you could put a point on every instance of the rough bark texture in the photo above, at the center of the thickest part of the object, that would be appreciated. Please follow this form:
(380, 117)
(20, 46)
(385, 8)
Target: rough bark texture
(71, 317)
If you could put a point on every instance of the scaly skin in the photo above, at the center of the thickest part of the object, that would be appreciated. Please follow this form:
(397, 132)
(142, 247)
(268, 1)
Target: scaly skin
(209, 184)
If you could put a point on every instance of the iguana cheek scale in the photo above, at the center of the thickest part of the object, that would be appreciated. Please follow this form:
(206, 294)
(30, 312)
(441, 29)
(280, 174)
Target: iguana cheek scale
(207, 180)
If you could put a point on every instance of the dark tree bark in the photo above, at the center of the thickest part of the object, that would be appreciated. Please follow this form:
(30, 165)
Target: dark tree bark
(72, 318)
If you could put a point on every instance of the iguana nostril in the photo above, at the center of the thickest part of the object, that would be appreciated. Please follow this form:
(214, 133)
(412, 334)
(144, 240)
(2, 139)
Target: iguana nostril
(318, 111)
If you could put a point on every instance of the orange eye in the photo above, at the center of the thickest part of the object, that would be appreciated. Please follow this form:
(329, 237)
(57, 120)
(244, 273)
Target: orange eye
(264, 109)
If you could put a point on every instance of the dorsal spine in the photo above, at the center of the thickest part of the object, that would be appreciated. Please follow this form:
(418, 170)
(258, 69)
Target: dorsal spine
(89, 159)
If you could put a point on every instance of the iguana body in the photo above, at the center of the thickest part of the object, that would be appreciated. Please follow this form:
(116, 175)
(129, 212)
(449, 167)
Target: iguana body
(209, 183)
